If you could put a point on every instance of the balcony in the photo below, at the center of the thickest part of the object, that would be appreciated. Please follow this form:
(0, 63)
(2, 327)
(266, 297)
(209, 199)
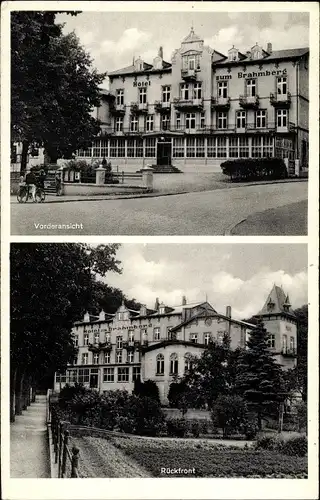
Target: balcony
(94, 347)
(289, 352)
(280, 100)
(162, 107)
(220, 103)
(131, 345)
(189, 75)
(249, 102)
(139, 107)
(186, 104)
(105, 346)
(118, 109)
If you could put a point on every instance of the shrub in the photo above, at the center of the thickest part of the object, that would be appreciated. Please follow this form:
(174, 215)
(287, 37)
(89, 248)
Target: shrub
(230, 414)
(254, 168)
(204, 426)
(195, 428)
(177, 427)
(295, 446)
(270, 443)
(147, 389)
(250, 429)
(302, 415)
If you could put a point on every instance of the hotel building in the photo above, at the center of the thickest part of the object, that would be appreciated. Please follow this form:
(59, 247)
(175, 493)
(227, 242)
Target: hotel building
(205, 107)
(115, 350)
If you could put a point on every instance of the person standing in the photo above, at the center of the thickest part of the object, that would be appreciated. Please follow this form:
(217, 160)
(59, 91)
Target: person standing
(31, 182)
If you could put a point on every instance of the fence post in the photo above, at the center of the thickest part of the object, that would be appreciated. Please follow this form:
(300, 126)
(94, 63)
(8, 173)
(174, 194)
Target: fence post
(64, 454)
(75, 461)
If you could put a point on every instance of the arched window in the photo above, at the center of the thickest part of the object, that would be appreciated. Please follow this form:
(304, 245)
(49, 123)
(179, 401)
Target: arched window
(187, 361)
(160, 364)
(173, 364)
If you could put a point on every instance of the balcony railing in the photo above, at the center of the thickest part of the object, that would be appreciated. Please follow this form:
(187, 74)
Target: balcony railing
(290, 352)
(188, 74)
(100, 346)
(118, 109)
(139, 107)
(162, 107)
(131, 345)
(188, 103)
(220, 102)
(249, 102)
(280, 100)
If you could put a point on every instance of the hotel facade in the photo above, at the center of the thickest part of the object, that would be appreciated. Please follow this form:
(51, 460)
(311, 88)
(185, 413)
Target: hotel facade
(115, 350)
(204, 107)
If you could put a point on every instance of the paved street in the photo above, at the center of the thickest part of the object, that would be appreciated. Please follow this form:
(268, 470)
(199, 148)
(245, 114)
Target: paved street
(29, 454)
(202, 213)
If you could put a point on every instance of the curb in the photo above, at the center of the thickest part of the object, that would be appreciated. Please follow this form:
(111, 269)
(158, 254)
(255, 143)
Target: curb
(53, 465)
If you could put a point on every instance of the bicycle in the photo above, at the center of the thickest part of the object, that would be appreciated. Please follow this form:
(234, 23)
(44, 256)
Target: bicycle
(25, 194)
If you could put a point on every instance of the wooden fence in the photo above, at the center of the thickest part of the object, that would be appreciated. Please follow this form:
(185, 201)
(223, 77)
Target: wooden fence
(67, 460)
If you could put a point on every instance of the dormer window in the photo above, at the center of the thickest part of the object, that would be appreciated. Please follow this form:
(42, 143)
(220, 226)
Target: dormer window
(256, 52)
(162, 309)
(270, 305)
(233, 54)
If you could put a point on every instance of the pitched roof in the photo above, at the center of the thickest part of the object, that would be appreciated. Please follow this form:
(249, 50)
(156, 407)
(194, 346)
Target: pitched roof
(275, 303)
(276, 54)
(132, 69)
(212, 314)
(192, 37)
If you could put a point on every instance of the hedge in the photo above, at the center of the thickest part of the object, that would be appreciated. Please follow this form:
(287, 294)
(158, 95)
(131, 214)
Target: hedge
(254, 168)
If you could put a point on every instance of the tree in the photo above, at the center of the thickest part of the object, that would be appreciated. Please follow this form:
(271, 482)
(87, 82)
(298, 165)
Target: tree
(109, 299)
(230, 414)
(302, 348)
(51, 285)
(53, 111)
(147, 389)
(259, 379)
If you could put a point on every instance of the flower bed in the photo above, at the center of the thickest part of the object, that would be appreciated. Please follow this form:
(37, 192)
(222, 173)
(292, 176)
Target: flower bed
(210, 459)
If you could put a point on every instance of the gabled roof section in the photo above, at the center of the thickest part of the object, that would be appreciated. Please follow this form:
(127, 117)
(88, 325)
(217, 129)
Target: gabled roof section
(274, 56)
(147, 68)
(192, 37)
(210, 314)
(277, 303)
(164, 343)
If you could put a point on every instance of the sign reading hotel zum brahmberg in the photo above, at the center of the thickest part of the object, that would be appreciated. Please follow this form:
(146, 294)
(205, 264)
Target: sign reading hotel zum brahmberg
(142, 84)
(255, 74)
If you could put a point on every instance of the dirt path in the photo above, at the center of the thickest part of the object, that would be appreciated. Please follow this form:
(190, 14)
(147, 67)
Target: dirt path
(100, 459)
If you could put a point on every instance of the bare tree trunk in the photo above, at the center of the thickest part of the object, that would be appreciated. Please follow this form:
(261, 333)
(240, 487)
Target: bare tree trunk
(13, 379)
(24, 156)
(19, 394)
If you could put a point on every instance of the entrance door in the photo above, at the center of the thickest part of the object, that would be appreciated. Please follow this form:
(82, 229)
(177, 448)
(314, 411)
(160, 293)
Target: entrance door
(164, 153)
(93, 381)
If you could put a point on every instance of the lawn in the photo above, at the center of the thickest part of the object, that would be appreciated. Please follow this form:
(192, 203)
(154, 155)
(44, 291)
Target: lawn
(209, 460)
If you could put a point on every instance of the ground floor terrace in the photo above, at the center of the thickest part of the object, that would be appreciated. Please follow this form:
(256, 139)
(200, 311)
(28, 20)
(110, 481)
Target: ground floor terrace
(191, 153)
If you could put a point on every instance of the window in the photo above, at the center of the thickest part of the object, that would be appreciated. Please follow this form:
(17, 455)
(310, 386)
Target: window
(117, 148)
(96, 338)
(191, 62)
(108, 374)
(119, 357)
(150, 149)
(149, 123)
(123, 374)
(178, 121)
(173, 364)
(86, 339)
(120, 316)
(84, 376)
(291, 343)
(139, 148)
(206, 338)
(211, 147)
(160, 364)
(251, 87)
(61, 378)
(131, 336)
(85, 357)
(190, 120)
(222, 120)
(221, 147)
(202, 120)
(107, 358)
(197, 90)
(233, 147)
(166, 90)
(261, 116)
(241, 118)
(136, 373)
(267, 145)
(143, 96)
(96, 358)
(187, 362)
(120, 97)
(256, 147)
(134, 123)
(76, 340)
(119, 124)
(184, 91)
(272, 341)
(72, 376)
(200, 149)
(281, 85)
(194, 338)
(108, 338)
(223, 89)
(156, 334)
(119, 342)
(191, 147)
(244, 147)
(130, 356)
(282, 118)
(284, 342)
(165, 122)
(178, 147)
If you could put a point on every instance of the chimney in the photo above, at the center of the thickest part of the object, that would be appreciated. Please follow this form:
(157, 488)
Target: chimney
(228, 311)
(184, 300)
(102, 315)
(269, 48)
(86, 317)
(160, 53)
(156, 305)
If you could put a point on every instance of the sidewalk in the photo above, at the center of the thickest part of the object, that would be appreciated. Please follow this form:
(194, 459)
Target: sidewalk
(29, 454)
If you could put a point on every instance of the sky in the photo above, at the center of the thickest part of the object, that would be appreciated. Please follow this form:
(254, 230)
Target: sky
(114, 38)
(239, 275)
